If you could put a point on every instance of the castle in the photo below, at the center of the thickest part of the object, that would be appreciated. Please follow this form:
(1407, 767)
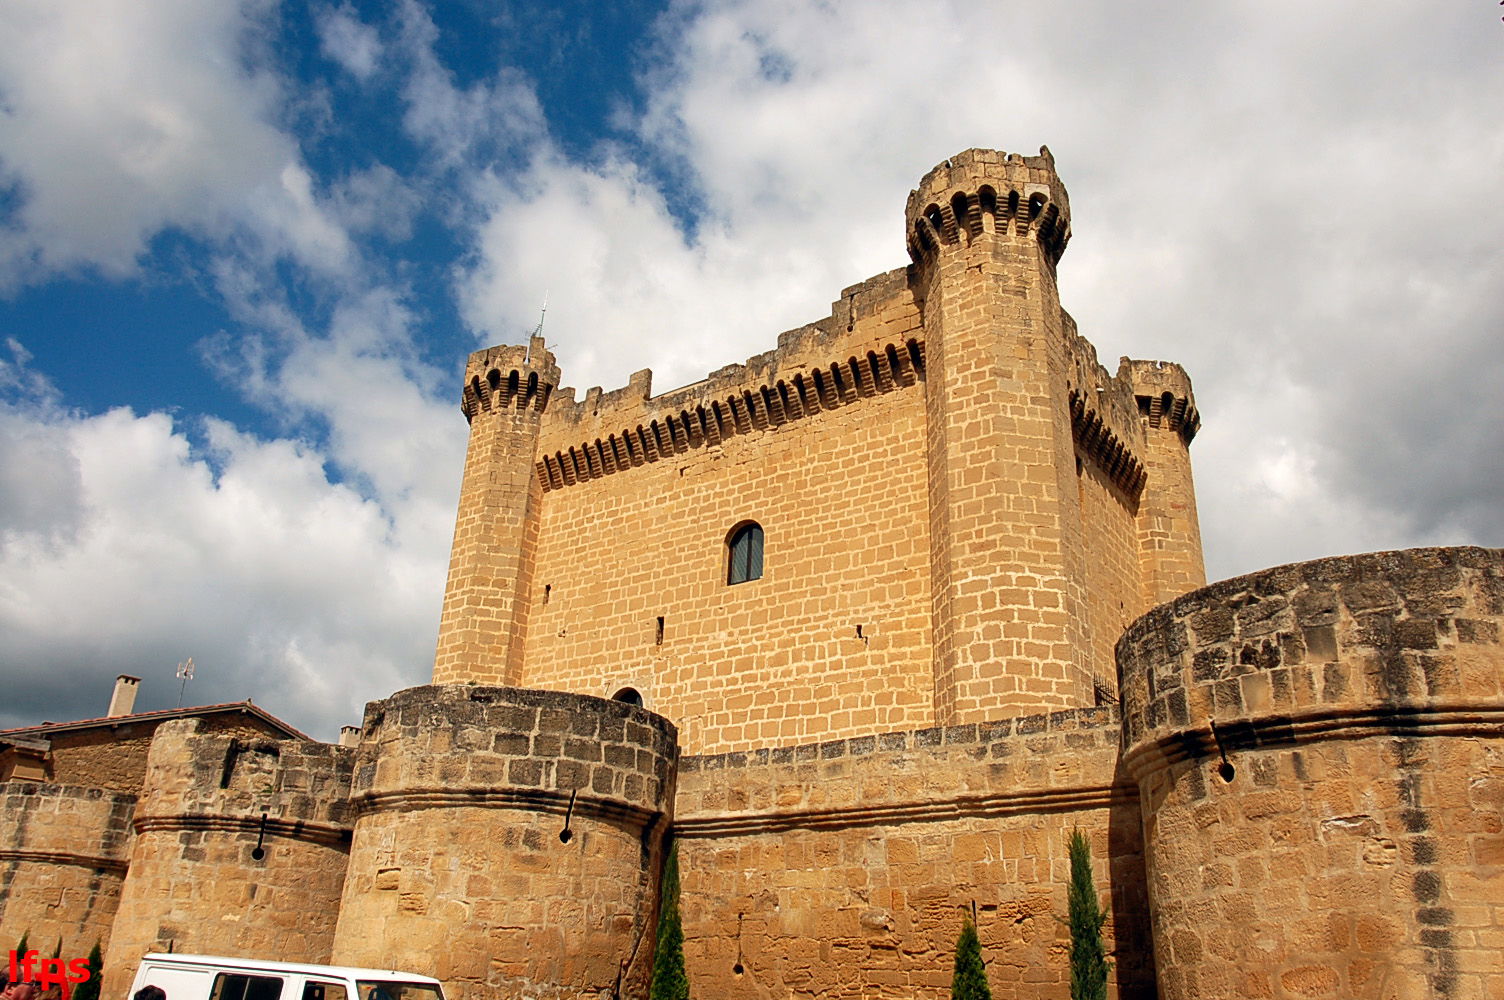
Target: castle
(868, 625)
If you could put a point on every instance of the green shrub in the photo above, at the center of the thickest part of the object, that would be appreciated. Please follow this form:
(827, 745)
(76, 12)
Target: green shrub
(970, 979)
(1086, 916)
(669, 980)
(89, 988)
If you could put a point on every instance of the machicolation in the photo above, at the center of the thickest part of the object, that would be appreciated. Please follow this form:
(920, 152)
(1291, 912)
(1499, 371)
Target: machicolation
(868, 625)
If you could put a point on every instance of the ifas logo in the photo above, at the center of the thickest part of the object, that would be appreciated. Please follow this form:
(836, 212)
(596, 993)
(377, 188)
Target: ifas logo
(29, 968)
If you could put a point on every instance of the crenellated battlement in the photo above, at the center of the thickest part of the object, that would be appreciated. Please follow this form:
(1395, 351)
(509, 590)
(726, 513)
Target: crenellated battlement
(708, 412)
(1163, 393)
(1104, 416)
(988, 191)
(509, 376)
(869, 345)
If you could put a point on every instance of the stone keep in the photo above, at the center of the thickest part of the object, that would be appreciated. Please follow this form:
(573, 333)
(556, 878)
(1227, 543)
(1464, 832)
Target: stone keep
(980, 623)
(956, 502)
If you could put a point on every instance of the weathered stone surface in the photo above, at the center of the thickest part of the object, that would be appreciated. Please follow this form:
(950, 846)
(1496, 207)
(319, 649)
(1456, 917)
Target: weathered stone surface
(847, 872)
(1347, 845)
(507, 841)
(196, 883)
(63, 851)
(962, 507)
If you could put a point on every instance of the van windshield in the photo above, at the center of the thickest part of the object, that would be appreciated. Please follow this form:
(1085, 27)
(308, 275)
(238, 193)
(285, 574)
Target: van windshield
(395, 989)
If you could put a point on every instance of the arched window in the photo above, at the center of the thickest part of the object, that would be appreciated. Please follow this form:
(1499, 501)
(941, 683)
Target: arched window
(744, 550)
(629, 695)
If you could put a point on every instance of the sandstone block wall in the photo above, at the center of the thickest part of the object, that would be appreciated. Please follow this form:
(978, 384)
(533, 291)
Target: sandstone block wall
(843, 869)
(114, 757)
(240, 850)
(834, 638)
(1011, 629)
(62, 859)
(1169, 528)
(1126, 477)
(950, 488)
(461, 866)
(1352, 845)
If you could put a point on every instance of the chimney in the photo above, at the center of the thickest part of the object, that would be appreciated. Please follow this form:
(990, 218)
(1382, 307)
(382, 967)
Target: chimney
(124, 698)
(349, 736)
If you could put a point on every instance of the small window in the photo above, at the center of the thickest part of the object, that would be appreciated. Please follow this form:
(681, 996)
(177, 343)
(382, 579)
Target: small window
(394, 990)
(233, 986)
(744, 546)
(629, 695)
(316, 989)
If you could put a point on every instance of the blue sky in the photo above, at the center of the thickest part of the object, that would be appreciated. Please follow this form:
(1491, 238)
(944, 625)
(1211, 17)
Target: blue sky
(245, 247)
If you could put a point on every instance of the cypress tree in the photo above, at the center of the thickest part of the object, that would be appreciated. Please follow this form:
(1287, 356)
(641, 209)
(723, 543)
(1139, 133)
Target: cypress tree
(669, 980)
(24, 946)
(969, 982)
(1088, 953)
(89, 988)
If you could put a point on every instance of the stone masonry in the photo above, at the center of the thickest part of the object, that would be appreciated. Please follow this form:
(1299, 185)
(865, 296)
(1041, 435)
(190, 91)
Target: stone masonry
(840, 869)
(980, 623)
(240, 848)
(955, 496)
(508, 841)
(1320, 755)
(64, 860)
(68, 798)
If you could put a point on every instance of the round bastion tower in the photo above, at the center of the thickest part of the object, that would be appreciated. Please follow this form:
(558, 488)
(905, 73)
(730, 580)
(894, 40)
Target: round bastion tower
(985, 231)
(508, 841)
(240, 849)
(490, 565)
(1319, 751)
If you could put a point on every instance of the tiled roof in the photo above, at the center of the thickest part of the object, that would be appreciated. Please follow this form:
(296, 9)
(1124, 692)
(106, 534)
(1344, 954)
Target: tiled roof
(160, 715)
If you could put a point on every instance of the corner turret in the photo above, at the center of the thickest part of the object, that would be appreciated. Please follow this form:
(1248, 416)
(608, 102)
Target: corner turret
(1007, 561)
(1169, 531)
(988, 191)
(507, 389)
(509, 377)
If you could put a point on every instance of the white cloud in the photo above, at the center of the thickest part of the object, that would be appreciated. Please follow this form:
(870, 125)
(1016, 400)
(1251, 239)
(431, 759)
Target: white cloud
(244, 555)
(1306, 219)
(376, 200)
(624, 286)
(355, 45)
(461, 127)
(119, 119)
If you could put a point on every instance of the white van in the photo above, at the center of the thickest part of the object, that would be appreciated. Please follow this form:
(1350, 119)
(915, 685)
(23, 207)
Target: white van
(210, 977)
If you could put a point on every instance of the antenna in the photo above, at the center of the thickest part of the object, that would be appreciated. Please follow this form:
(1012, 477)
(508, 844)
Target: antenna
(538, 330)
(185, 673)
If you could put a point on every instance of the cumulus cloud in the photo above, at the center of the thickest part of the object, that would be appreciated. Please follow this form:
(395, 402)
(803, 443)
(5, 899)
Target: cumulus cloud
(376, 200)
(488, 122)
(1306, 219)
(349, 41)
(119, 119)
(389, 421)
(236, 551)
(625, 287)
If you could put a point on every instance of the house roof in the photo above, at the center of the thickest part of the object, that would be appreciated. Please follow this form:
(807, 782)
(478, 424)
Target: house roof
(161, 715)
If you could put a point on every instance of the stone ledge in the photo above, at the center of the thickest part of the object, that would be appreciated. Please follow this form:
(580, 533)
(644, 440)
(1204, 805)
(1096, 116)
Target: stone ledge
(980, 734)
(1376, 633)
